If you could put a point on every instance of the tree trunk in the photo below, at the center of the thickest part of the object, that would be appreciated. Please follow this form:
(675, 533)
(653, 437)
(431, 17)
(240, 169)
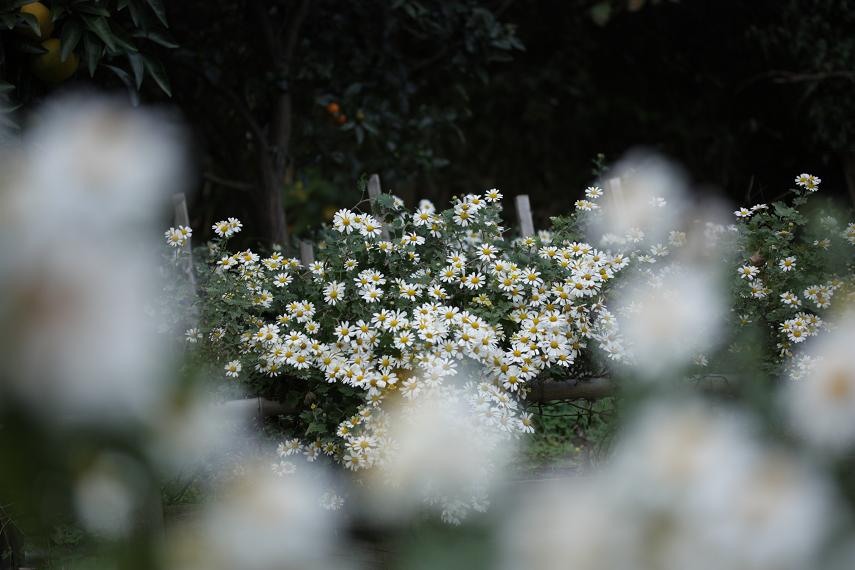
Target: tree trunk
(273, 159)
(269, 200)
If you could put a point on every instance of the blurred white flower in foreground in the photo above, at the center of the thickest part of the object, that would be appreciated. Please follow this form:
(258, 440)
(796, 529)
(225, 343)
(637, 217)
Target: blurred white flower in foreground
(82, 349)
(77, 244)
(259, 522)
(690, 487)
(668, 321)
(439, 451)
(645, 198)
(821, 402)
(195, 432)
(565, 524)
(107, 495)
(669, 314)
(703, 491)
(99, 163)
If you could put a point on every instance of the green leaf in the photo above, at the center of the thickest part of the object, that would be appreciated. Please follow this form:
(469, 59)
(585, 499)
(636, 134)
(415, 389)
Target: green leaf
(158, 72)
(157, 7)
(101, 28)
(8, 122)
(93, 9)
(31, 47)
(9, 20)
(385, 200)
(134, 10)
(31, 21)
(126, 79)
(159, 38)
(6, 87)
(123, 38)
(69, 37)
(138, 68)
(93, 51)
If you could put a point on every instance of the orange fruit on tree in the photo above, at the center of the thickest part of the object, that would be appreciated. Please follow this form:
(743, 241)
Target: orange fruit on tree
(43, 15)
(342, 119)
(49, 66)
(333, 108)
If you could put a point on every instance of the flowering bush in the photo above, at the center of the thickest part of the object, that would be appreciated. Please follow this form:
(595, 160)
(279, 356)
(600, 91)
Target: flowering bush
(787, 261)
(375, 319)
(793, 262)
(449, 306)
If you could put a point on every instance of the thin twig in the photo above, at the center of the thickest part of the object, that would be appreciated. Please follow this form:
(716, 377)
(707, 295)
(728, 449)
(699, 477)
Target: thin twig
(236, 184)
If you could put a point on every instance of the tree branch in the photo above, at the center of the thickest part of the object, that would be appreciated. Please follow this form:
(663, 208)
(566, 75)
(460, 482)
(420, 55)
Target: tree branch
(236, 184)
(292, 33)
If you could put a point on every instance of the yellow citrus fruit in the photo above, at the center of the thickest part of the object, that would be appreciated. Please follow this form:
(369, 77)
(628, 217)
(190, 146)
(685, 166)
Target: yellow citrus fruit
(42, 14)
(49, 66)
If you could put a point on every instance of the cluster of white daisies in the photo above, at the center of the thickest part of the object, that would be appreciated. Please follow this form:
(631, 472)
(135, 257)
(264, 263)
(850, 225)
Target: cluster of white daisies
(177, 237)
(446, 302)
(802, 324)
(404, 316)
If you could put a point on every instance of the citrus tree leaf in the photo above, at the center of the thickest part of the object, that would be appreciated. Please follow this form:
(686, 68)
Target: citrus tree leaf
(157, 7)
(31, 47)
(125, 78)
(93, 51)
(158, 72)
(101, 28)
(30, 21)
(93, 9)
(137, 67)
(123, 39)
(136, 17)
(9, 20)
(160, 38)
(69, 37)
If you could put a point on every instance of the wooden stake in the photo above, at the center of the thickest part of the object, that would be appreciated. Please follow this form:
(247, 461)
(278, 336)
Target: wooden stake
(182, 218)
(374, 191)
(614, 191)
(524, 215)
(307, 253)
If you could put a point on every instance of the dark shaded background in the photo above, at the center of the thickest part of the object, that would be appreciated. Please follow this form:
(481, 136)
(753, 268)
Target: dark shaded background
(745, 95)
(443, 97)
(714, 85)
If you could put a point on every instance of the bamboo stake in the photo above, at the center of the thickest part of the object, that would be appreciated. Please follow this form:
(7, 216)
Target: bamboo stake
(614, 192)
(181, 217)
(374, 191)
(307, 253)
(524, 215)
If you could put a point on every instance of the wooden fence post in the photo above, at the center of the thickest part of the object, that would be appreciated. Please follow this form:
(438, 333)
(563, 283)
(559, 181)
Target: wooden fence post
(374, 191)
(524, 215)
(307, 253)
(181, 217)
(614, 192)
